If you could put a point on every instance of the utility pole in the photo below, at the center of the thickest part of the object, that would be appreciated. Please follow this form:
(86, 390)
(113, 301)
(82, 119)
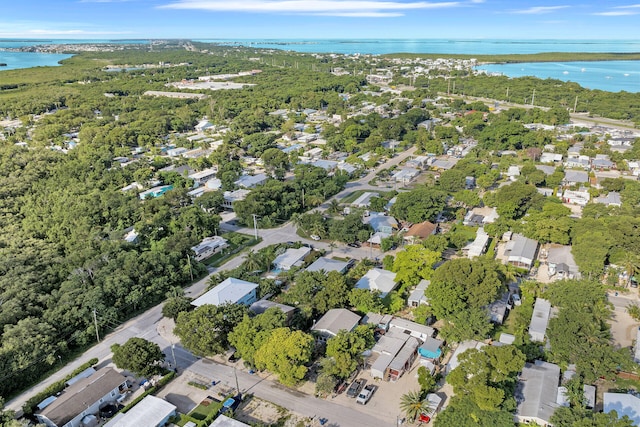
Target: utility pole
(235, 374)
(255, 226)
(95, 322)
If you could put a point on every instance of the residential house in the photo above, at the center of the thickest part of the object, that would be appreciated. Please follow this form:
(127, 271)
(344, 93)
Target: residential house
(521, 251)
(478, 246)
(539, 320)
(420, 231)
(328, 264)
(200, 178)
(471, 219)
(582, 162)
(513, 172)
(364, 200)
(209, 247)
(381, 223)
(334, 321)
(263, 305)
(417, 296)
(328, 165)
(230, 291)
(174, 152)
(561, 262)
(292, 257)
(224, 421)
(589, 393)
(402, 361)
(576, 197)
(572, 177)
(498, 309)
(149, 412)
(405, 175)
(407, 327)
(624, 404)
(378, 279)
(611, 199)
(548, 170)
(550, 158)
(250, 181)
(602, 162)
(444, 164)
(82, 400)
(418, 162)
(462, 347)
(230, 197)
(204, 125)
(537, 393)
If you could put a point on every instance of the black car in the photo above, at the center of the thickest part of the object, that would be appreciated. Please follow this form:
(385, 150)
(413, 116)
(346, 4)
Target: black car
(354, 245)
(355, 387)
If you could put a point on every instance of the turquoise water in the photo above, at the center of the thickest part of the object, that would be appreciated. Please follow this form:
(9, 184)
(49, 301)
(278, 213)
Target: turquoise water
(17, 60)
(612, 76)
(470, 47)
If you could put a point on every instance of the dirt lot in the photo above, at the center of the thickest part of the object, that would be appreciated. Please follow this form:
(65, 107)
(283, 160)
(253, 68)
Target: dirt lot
(257, 410)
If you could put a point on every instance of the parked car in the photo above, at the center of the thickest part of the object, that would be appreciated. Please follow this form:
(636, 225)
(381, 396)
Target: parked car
(366, 394)
(355, 387)
(315, 237)
(341, 387)
(354, 245)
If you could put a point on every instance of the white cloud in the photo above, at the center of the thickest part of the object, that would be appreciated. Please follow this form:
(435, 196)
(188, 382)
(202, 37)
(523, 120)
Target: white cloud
(344, 8)
(538, 10)
(630, 6)
(617, 13)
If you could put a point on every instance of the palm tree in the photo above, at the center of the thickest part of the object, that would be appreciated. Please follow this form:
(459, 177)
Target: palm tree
(332, 246)
(631, 265)
(334, 206)
(253, 261)
(412, 404)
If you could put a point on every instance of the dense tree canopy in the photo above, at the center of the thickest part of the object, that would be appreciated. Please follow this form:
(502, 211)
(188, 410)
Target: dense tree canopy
(139, 356)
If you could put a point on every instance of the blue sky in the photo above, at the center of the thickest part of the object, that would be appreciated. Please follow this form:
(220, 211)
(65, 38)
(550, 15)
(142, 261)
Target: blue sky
(308, 19)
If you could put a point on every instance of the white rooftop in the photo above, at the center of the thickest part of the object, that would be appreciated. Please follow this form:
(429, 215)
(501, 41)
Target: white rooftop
(224, 421)
(151, 411)
(378, 279)
(231, 290)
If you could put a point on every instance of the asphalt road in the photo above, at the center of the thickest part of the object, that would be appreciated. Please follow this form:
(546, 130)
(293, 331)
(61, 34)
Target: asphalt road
(146, 324)
(293, 400)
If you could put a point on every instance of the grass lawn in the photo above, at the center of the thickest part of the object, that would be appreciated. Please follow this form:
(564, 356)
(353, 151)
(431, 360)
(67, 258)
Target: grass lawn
(201, 411)
(353, 196)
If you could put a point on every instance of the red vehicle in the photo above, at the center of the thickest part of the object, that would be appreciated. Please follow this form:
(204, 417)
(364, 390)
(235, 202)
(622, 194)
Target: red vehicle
(434, 401)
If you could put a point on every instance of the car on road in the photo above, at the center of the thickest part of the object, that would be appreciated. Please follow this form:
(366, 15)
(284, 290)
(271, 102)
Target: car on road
(315, 237)
(355, 387)
(366, 394)
(354, 245)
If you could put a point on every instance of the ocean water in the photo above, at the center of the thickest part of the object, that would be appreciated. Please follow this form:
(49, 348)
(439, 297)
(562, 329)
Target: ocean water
(451, 46)
(604, 75)
(18, 60)
(612, 76)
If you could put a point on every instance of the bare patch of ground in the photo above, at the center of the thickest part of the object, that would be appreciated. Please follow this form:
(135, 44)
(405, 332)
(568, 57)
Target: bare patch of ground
(256, 410)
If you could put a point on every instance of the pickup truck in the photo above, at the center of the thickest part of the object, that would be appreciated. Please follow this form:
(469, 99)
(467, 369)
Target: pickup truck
(355, 387)
(366, 394)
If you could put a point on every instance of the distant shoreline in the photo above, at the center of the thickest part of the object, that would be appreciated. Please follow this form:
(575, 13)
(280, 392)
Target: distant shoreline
(528, 57)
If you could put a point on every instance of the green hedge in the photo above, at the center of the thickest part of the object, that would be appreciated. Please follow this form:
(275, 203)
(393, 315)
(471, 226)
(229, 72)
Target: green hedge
(31, 405)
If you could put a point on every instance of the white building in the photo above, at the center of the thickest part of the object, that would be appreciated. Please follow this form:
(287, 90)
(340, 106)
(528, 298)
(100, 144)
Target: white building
(291, 258)
(150, 412)
(231, 290)
(209, 247)
(378, 279)
(539, 320)
(537, 393)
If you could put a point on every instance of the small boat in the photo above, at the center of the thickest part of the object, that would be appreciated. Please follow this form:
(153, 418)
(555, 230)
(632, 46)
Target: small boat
(583, 70)
(565, 72)
(626, 74)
